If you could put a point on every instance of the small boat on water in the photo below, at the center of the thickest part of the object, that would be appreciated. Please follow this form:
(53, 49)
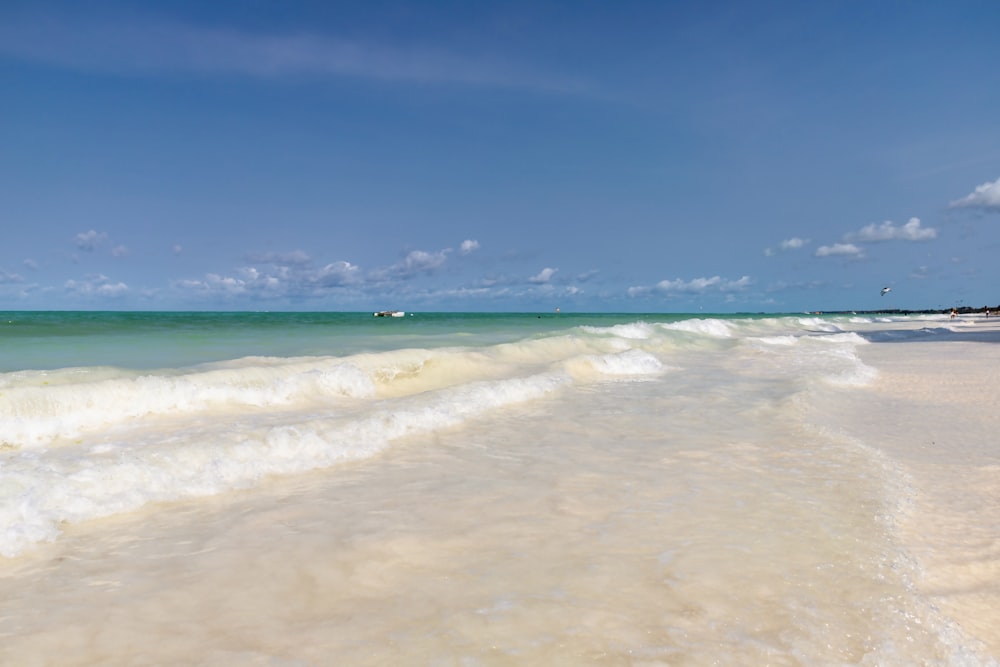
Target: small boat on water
(389, 313)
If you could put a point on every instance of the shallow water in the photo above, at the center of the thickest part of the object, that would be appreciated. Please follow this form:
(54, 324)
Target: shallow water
(691, 492)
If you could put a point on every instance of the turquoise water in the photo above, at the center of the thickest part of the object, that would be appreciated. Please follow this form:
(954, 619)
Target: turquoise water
(147, 340)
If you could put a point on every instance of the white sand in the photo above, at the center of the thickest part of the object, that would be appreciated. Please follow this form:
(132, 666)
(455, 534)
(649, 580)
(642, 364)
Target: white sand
(215, 582)
(936, 408)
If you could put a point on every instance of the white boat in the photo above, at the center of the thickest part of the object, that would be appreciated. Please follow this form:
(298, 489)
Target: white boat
(389, 313)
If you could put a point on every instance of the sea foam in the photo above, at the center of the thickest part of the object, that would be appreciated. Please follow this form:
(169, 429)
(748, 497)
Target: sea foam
(39, 490)
(36, 415)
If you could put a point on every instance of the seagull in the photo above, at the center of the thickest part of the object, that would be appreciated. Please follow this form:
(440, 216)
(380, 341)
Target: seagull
(884, 291)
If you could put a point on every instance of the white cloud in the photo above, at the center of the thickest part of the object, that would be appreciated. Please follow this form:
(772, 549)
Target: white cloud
(543, 276)
(888, 231)
(693, 286)
(177, 249)
(98, 285)
(89, 240)
(292, 275)
(985, 197)
(839, 249)
(295, 280)
(337, 274)
(793, 243)
(415, 263)
(421, 262)
(224, 284)
(119, 251)
(251, 282)
(701, 285)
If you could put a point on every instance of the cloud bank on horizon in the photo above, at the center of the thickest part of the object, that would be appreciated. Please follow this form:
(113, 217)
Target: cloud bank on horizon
(399, 155)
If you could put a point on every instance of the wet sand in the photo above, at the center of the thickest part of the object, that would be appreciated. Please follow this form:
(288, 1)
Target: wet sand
(941, 404)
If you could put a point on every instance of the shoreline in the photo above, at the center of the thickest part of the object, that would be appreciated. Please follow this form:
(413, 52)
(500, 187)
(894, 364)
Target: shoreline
(944, 413)
(964, 310)
(880, 494)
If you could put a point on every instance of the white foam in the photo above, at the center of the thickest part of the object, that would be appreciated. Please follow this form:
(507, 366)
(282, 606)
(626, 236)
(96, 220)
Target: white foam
(828, 358)
(818, 324)
(845, 337)
(629, 363)
(36, 415)
(632, 331)
(38, 490)
(834, 359)
(775, 340)
(708, 327)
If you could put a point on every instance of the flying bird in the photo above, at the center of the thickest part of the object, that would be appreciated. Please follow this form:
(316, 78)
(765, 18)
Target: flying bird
(884, 291)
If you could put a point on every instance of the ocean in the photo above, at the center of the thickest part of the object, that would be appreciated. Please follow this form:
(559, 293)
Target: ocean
(474, 489)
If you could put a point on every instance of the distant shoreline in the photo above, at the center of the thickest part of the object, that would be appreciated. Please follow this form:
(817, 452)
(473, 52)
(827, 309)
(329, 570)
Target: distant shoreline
(964, 310)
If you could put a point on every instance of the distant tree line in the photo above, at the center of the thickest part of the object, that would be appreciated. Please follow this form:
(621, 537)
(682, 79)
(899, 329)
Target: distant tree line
(961, 310)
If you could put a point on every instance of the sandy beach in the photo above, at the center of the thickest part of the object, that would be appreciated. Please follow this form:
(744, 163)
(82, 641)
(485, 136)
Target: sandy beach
(944, 413)
(655, 525)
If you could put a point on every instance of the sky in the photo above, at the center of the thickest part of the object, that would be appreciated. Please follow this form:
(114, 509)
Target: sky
(618, 156)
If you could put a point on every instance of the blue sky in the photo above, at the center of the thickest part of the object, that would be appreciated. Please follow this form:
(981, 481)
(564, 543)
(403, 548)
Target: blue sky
(494, 156)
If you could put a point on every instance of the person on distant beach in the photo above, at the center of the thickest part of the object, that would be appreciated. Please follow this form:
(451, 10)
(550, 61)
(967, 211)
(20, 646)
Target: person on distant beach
(954, 313)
